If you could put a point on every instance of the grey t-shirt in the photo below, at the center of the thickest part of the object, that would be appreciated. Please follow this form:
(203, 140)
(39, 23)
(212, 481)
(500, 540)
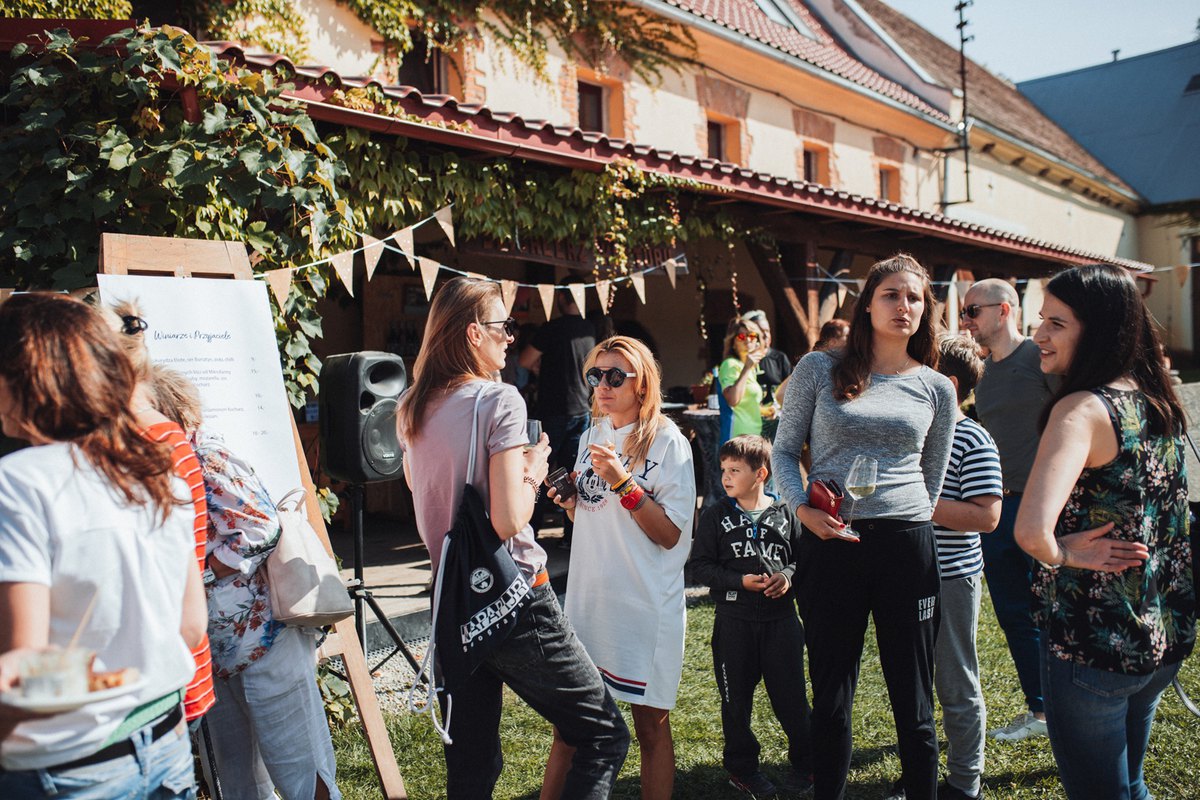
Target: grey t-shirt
(906, 422)
(1009, 399)
(437, 463)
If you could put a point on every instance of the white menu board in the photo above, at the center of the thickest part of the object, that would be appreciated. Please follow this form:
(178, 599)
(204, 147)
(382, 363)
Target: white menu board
(219, 333)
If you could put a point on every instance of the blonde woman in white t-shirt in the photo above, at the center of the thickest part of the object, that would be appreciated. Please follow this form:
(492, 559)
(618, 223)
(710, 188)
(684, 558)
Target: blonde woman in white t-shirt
(636, 495)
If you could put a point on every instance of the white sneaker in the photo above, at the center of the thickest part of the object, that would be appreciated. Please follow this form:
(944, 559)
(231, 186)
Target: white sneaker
(1022, 727)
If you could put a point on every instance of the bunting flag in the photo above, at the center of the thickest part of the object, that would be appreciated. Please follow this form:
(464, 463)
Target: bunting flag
(508, 293)
(445, 218)
(343, 266)
(669, 267)
(963, 288)
(404, 240)
(952, 308)
(280, 281)
(372, 250)
(1031, 304)
(546, 292)
(603, 288)
(579, 293)
(429, 273)
(1181, 274)
(638, 280)
(476, 276)
(861, 283)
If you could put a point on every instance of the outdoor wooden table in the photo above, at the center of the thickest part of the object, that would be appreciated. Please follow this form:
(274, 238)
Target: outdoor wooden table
(704, 427)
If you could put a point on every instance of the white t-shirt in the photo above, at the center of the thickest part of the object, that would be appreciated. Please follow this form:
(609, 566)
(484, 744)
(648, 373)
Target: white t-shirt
(62, 525)
(625, 593)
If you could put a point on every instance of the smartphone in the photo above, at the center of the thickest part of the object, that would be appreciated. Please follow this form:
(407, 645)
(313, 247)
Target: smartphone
(560, 480)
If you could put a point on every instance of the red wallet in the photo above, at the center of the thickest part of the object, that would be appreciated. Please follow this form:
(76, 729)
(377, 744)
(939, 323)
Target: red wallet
(826, 496)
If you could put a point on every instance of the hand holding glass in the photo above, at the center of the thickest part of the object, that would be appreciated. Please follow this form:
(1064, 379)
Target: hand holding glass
(860, 483)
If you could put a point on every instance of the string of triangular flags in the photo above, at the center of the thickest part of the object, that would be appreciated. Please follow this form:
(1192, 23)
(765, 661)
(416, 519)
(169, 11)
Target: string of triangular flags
(401, 241)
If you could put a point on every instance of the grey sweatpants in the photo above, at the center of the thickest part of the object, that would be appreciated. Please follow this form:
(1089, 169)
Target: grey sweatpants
(956, 679)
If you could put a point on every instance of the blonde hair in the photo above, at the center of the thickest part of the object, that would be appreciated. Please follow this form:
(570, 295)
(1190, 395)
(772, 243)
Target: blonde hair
(736, 326)
(176, 398)
(647, 383)
(125, 318)
(447, 358)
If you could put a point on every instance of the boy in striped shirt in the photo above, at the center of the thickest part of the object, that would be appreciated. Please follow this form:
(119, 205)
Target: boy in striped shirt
(969, 505)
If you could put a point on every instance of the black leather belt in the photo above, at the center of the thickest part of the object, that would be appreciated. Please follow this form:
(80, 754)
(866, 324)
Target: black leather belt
(125, 747)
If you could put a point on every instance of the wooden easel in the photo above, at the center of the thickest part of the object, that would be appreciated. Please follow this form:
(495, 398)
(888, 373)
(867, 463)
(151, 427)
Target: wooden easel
(122, 254)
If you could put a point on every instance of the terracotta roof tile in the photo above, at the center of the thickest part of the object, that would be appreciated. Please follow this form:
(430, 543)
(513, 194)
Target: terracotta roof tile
(745, 17)
(497, 131)
(990, 98)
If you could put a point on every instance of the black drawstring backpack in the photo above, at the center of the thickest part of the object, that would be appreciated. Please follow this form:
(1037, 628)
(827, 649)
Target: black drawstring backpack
(479, 595)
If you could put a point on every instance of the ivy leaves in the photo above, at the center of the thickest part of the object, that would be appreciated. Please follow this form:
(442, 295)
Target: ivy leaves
(94, 141)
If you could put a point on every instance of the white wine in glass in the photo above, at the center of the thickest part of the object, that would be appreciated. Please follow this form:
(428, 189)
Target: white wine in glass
(860, 483)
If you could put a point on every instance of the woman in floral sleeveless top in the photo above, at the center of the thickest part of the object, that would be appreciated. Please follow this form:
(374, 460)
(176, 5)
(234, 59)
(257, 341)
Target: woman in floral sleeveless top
(1105, 515)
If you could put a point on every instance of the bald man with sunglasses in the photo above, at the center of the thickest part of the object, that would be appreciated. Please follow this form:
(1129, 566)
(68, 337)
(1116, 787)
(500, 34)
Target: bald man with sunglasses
(1008, 400)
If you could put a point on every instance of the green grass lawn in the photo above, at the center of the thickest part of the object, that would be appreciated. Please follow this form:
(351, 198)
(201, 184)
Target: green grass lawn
(1018, 770)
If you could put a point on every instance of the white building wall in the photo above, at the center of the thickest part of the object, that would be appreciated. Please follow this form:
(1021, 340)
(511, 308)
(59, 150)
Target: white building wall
(337, 38)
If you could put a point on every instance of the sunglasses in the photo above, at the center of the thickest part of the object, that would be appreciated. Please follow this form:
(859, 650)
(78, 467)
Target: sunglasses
(972, 310)
(510, 326)
(613, 377)
(741, 337)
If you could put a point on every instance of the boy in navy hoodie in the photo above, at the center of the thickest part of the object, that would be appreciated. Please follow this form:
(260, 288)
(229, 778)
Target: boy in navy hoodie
(745, 551)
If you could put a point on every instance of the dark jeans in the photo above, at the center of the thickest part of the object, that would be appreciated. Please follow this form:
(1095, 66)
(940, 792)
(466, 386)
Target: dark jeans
(545, 664)
(891, 575)
(1099, 723)
(564, 434)
(1009, 580)
(745, 652)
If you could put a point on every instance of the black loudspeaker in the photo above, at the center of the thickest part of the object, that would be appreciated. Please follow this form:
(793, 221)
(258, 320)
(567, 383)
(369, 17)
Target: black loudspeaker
(358, 398)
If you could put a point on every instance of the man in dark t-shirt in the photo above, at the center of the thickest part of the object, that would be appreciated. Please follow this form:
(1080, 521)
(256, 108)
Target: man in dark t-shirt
(1009, 399)
(556, 355)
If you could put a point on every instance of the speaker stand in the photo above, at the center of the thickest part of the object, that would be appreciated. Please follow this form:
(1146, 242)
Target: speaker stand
(362, 594)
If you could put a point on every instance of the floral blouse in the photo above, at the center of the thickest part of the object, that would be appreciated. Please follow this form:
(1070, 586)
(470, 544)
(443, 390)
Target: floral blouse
(243, 529)
(1135, 621)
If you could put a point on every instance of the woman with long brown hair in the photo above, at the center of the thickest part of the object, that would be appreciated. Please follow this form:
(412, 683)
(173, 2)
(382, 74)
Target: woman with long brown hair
(636, 495)
(466, 338)
(879, 398)
(97, 535)
(1105, 515)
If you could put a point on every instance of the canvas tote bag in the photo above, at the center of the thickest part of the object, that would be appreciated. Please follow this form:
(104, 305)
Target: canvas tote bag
(306, 589)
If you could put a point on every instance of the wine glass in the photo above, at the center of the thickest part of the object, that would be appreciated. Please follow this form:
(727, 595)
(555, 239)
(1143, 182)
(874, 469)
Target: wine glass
(860, 483)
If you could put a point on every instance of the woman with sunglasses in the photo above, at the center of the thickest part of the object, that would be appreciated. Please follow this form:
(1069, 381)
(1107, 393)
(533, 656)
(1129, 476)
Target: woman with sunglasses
(1105, 515)
(636, 494)
(465, 345)
(880, 397)
(741, 394)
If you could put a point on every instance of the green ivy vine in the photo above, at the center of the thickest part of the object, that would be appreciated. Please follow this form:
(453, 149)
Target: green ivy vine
(68, 9)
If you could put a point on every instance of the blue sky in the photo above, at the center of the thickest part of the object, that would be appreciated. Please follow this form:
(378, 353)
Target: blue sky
(1023, 39)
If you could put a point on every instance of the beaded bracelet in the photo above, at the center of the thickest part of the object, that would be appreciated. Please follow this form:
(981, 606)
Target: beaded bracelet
(622, 486)
(537, 489)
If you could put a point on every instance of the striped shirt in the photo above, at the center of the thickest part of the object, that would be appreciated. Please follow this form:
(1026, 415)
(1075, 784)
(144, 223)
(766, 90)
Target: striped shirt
(199, 696)
(974, 471)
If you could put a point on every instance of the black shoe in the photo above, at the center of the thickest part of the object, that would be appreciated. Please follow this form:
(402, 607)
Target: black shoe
(948, 792)
(758, 786)
(796, 783)
(896, 792)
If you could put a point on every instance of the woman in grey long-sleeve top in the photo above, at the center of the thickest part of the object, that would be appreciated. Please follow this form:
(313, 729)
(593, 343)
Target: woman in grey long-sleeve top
(878, 396)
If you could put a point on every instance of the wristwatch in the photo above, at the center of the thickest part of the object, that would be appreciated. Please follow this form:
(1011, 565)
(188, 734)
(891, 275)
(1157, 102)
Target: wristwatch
(208, 576)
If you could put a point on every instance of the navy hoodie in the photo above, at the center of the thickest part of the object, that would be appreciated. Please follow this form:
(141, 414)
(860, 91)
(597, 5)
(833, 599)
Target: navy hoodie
(728, 545)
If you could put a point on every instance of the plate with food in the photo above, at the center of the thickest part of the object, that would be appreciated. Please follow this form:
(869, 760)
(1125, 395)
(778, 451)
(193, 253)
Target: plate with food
(53, 681)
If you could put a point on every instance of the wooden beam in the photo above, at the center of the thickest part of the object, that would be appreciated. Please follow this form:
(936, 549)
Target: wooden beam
(790, 313)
